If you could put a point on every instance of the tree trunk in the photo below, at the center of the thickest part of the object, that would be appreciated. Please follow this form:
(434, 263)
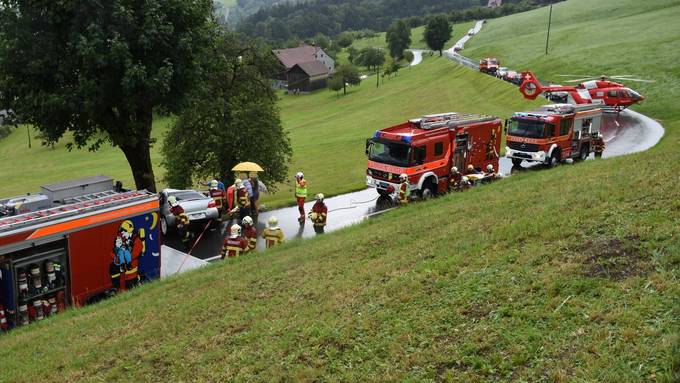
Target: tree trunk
(139, 158)
(344, 87)
(137, 150)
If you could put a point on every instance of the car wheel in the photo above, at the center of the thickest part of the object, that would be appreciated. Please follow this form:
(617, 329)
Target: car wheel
(164, 226)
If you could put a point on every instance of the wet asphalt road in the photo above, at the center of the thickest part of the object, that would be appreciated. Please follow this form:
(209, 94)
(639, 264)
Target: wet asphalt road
(625, 133)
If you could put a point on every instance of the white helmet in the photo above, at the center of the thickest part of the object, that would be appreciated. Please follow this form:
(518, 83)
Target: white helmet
(319, 197)
(213, 183)
(273, 221)
(489, 168)
(403, 176)
(470, 168)
(235, 230)
(454, 169)
(299, 175)
(247, 220)
(238, 183)
(172, 200)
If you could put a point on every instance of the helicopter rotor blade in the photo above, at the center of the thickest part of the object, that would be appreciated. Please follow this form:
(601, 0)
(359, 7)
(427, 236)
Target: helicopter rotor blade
(638, 80)
(581, 79)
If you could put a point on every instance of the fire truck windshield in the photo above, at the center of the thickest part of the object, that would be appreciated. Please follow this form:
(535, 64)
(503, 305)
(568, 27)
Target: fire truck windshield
(389, 152)
(526, 128)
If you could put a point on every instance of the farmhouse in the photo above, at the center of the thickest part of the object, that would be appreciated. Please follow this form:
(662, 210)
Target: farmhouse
(305, 68)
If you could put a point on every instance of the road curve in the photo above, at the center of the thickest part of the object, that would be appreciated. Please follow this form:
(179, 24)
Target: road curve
(625, 133)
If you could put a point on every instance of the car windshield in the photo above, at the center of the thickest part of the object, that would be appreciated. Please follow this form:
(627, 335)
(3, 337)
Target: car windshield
(526, 128)
(389, 152)
(187, 195)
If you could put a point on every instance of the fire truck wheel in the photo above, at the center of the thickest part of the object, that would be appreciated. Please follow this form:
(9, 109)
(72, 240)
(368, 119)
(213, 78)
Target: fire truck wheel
(517, 163)
(383, 192)
(584, 153)
(554, 159)
(428, 190)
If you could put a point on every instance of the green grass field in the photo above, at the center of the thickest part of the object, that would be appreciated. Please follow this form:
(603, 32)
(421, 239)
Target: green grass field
(563, 275)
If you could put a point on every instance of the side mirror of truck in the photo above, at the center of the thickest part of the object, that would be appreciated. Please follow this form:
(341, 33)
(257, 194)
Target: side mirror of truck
(368, 145)
(505, 127)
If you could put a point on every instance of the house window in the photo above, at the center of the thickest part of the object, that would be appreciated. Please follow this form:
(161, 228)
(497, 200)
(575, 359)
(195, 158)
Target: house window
(438, 149)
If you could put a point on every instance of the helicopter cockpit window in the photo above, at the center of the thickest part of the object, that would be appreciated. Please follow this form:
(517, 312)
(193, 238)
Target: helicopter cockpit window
(613, 93)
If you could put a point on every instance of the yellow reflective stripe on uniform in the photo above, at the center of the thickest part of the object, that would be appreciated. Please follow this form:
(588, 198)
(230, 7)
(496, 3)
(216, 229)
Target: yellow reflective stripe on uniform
(131, 271)
(115, 275)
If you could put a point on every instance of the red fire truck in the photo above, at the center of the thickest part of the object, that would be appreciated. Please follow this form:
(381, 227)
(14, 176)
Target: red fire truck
(73, 243)
(489, 65)
(426, 148)
(554, 133)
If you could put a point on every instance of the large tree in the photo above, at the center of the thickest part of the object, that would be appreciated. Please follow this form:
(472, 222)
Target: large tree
(231, 117)
(398, 38)
(344, 74)
(99, 68)
(372, 58)
(437, 33)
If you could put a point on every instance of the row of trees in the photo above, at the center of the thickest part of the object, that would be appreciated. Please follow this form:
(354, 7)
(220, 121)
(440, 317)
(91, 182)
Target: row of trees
(102, 71)
(287, 21)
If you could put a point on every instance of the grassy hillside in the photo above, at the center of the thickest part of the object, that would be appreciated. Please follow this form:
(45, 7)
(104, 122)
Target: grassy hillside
(327, 132)
(565, 275)
(417, 40)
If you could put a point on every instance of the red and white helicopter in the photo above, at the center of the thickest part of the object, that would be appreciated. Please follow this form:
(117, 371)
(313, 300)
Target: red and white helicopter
(591, 90)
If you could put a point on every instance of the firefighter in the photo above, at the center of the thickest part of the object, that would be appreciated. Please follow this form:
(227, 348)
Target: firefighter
(301, 194)
(3, 320)
(319, 214)
(471, 170)
(217, 195)
(241, 199)
(490, 174)
(181, 220)
(404, 189)
(454, 179)
(273, 234)
(234, 245)
(249, 233)
(255, 196)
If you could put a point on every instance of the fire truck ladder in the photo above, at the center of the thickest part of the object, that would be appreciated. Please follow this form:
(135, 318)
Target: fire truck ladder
(452, 120)
(80, 205)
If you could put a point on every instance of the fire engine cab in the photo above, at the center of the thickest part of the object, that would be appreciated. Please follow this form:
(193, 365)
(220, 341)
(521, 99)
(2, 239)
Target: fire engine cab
(74, 243)
(489, 65)
(426, 148)
(554, 133)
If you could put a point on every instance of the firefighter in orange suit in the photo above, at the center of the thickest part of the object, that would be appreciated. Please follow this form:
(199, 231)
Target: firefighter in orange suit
(273, 234)
(404, 189)
(181, 220)
(234, 245)
(218, 195)
(319, 214)
(249, 233)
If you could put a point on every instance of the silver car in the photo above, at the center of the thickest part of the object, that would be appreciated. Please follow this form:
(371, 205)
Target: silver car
(197, 206)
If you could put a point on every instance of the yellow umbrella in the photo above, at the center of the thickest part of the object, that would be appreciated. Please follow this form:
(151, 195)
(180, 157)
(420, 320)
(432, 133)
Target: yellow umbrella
(247, 167)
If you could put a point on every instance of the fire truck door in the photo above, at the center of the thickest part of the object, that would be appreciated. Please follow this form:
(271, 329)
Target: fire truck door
(460, 152)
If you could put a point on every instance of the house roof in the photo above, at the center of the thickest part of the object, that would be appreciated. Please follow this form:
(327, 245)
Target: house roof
(291, 56)
(312, 68)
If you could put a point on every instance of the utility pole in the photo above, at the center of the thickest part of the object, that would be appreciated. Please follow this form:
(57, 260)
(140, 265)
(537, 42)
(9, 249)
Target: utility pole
(547, 41)
(28, 132)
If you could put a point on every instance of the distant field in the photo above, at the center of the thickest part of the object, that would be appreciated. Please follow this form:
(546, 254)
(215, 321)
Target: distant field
(417, 41)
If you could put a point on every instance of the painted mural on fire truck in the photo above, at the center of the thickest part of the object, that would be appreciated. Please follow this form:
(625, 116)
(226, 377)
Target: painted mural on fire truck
(134, 254)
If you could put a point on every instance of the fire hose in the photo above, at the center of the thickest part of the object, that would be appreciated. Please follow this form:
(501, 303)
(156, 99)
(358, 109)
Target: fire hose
(353, 204)
(194, 245)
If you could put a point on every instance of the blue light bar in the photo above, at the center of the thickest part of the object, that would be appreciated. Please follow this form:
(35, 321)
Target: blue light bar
(376, 134)
(406, 138)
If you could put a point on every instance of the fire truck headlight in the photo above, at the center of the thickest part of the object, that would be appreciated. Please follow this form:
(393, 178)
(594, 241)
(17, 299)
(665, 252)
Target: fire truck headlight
(539, 155)
(508, 152)
(370, 181)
